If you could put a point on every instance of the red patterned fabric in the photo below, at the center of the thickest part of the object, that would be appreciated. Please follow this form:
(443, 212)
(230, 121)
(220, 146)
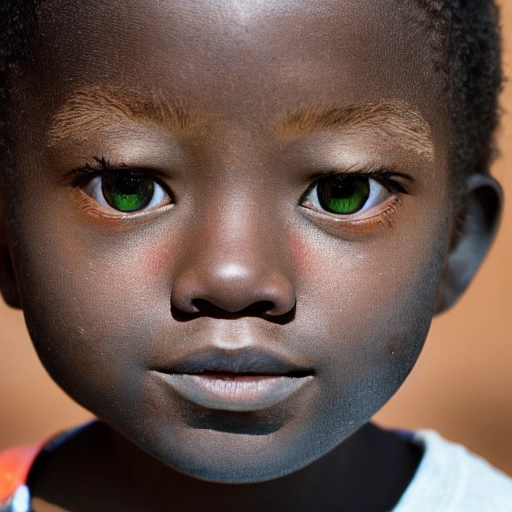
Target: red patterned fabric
(15, 464)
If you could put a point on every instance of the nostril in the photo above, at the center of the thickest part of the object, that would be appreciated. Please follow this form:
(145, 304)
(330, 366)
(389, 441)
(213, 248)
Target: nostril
(281, 318)
(263, 309)
(206, 308)
(218, 293)
(182, 316)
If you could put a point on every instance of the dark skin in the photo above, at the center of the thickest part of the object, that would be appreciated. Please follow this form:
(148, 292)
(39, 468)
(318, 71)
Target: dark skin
(237, 111)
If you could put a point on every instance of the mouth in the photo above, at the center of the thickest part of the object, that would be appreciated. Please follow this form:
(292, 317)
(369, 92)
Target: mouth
(239, 381)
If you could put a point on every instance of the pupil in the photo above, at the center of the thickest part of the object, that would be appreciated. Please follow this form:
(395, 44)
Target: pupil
(343, 194)
(127, 191)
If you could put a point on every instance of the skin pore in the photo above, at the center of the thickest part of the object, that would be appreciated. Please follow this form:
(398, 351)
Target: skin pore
(292, 163)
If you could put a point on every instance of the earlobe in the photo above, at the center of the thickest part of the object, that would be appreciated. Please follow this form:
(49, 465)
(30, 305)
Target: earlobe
(8, 283)
(483, 212)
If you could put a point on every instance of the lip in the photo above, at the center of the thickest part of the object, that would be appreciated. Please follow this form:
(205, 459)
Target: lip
(240, 381)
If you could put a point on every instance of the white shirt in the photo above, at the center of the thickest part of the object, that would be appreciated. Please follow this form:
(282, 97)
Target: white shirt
(451, 479)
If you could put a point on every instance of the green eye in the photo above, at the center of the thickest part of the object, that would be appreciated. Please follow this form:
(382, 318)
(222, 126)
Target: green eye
(128, 190)
(343, 194)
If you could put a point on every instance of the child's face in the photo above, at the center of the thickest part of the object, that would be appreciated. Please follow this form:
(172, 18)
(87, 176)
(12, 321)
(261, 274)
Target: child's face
(235, 108)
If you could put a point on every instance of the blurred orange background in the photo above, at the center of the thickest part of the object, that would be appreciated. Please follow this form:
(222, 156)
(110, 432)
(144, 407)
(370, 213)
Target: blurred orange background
(461, 386)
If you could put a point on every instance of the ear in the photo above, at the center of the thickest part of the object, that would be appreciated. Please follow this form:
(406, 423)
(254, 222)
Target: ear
(8, 283)
(484, 202)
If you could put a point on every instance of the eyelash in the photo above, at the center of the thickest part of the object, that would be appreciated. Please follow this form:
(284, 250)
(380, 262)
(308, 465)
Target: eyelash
(101, 166)
(385, 176)
(84, 177)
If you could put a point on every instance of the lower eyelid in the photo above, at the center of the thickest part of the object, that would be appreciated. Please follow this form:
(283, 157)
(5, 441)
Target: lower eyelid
(353, 225)
(106, 214)
(94, 209)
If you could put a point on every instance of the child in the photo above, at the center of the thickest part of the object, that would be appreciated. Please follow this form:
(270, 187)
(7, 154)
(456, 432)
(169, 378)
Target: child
(229, 224)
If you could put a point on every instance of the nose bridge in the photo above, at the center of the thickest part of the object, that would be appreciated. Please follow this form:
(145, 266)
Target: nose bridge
(237, 258)
(238, 225)
(242, 225)
(239, 241)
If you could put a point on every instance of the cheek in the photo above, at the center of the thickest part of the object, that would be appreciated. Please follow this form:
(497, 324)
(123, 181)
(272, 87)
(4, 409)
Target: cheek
(369, 309)
(155, 263)
(301, 252)
(92, 317)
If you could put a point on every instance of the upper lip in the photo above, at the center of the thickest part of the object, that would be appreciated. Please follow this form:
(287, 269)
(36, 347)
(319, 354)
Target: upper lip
(249, 361)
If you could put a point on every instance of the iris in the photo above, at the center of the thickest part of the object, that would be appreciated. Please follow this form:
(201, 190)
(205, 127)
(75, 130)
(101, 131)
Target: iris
(128, 190)
(343, 194)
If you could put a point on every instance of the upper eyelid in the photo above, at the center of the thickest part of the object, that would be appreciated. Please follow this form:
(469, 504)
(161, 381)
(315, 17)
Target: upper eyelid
(101, 165)
(384, 175)
(375, 173)
(82, 175)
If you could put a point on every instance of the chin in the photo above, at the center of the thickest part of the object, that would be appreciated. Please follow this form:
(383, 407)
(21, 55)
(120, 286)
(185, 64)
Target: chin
(238, 458)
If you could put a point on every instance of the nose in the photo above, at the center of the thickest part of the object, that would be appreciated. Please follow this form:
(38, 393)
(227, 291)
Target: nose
(234, 265)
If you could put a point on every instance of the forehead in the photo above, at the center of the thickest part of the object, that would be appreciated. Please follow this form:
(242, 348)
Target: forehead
(241, 59)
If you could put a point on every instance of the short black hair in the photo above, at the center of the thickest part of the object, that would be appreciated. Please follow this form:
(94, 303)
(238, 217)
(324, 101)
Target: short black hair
(466, 49)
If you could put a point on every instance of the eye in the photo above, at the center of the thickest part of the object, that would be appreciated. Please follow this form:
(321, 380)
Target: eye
(346, 194)
(127, 190)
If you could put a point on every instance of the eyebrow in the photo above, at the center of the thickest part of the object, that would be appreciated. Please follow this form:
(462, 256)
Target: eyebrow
(95, 108)
(397, 120)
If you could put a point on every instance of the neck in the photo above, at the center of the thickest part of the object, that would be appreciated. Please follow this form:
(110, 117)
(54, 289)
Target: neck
(100, 470)
(368, 471)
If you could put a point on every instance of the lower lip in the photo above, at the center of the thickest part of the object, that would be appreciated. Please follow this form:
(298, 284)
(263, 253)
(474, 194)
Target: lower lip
(237, 393)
